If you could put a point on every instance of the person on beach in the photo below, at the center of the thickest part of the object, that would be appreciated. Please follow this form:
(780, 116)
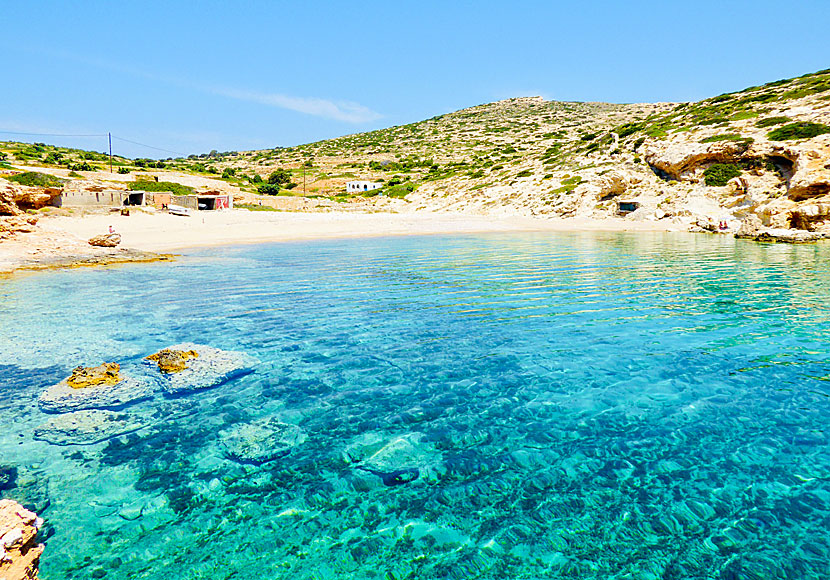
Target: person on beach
(112, 230)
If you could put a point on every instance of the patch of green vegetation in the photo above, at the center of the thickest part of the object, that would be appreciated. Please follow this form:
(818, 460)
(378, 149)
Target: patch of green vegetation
(269, 189)
(33, 178)
(719, 174)
(74, 174)
(400, 191)
(725, 137)
(743, 115)
(802, 130)
(174, 188)
(772, 121)
(525, 173)
(252, 207)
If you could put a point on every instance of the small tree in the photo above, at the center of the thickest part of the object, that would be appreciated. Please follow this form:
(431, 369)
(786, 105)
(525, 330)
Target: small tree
(279, 177)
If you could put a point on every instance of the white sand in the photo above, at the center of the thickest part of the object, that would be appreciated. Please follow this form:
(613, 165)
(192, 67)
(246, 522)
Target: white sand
(162, 232)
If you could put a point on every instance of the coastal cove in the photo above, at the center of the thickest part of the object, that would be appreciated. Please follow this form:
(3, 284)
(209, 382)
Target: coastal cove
(476, 405)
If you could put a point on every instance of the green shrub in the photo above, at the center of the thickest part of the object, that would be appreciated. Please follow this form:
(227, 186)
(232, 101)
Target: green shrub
(719, 174)
(803, 130)
(36, 179)
(723, 137)
(268, 189)
(74, 174)
(525, 173)
(279, 176)
(124, 170)
(770, 121)
(228, 172)
(174, 188)
(83, 167)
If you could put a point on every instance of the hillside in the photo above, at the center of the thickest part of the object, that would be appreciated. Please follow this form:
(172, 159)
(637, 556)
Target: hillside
(762, 151)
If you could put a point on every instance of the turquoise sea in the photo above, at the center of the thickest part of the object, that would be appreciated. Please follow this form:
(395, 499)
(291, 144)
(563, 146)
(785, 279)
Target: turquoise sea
(585, 405)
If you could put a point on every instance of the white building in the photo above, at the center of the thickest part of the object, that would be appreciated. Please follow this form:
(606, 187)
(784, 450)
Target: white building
(361, 186)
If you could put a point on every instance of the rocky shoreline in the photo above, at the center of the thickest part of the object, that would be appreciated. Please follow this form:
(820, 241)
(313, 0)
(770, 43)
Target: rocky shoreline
(19, 550)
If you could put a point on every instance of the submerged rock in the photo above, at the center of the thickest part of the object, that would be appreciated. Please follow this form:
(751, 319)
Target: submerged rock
(104, 374)
(211, 367)
(261, 441)
(62, 397)
(19, 550)
(85, 427)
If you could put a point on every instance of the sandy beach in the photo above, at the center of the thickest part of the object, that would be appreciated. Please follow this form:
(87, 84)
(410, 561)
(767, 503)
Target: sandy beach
(162, 232)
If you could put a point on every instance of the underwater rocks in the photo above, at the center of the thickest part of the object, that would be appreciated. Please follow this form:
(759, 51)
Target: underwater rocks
(397, 460)
(85, 427)
(19, 552)
(63, 398)
(105, 374)
(210, 368)
(260, 441)
(172, 361)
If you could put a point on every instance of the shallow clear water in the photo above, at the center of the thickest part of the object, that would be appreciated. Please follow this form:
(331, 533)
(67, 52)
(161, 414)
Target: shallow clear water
(576, 405)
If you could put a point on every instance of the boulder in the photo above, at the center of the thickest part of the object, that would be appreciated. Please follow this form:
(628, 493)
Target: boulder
(103, 374)
(63, 398)
(105, 240)
(19, 550)
(172, 361)
(750, 227)
(7, 203)
(260, 441)
(85, 427)
(809, 215)
(211, 367)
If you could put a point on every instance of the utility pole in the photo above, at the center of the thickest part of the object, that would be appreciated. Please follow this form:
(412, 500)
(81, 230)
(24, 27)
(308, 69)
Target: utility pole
(109, 136)
(303, 180)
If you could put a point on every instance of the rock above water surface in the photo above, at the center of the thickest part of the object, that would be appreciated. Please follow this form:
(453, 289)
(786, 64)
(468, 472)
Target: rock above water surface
(104, 374)
(211, 367)
(19, 551)
(85, 427)
(170, 360)
(260, 441)
(62, 398)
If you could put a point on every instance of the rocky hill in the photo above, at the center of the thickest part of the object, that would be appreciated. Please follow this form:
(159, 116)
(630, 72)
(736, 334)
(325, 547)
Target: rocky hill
(764, 151)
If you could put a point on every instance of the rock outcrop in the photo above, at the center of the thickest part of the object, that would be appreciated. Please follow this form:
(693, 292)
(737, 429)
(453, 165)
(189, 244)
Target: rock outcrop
(210, 368)
(105, 240)
(19, 551)
(171, 360)
(12, 226)
(104, 374)
(63, 398)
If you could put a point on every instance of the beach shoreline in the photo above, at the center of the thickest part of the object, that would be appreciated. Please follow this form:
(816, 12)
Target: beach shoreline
(61, 241)
(162, 232)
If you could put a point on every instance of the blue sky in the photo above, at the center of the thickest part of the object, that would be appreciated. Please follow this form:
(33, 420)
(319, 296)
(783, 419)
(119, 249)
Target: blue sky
(189, 77)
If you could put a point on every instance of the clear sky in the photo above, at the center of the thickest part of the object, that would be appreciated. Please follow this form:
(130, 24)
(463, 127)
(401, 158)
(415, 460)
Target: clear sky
(189, 77)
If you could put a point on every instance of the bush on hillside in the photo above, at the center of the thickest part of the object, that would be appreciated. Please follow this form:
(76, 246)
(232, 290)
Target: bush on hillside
(803, 130)
(268, 189)
(174, 188)
(719, 174)
(36, 179)
(770, 121)
(279, 176)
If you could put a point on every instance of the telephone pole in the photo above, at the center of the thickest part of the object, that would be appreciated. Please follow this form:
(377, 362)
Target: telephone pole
(109, 137)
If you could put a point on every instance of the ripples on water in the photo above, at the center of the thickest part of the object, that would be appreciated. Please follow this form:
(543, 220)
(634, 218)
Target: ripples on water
(577, 405)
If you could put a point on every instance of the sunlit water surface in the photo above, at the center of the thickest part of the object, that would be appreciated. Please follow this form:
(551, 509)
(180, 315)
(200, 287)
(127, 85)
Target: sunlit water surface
(576, 405)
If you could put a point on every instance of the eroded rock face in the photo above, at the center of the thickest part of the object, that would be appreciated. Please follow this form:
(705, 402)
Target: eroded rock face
(35, 197)
(19, 550)
(11, 226)
(105, 240)
(172, 361)
(104, 374)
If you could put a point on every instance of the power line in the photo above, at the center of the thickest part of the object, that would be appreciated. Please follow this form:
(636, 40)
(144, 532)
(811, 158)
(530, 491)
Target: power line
(3, 132)
(148, 146)
(48, 134)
